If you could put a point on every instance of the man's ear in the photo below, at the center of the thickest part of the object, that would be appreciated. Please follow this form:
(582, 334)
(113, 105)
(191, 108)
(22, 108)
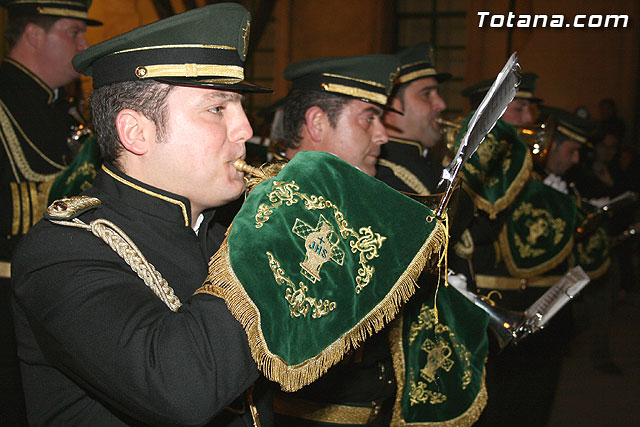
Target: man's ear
(316, 122)
(392, 120)
(135, 131)
(34, 35)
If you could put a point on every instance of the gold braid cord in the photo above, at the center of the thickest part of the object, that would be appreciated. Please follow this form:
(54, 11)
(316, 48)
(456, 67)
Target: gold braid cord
(294, 377)
(117, 240)
(406, 176)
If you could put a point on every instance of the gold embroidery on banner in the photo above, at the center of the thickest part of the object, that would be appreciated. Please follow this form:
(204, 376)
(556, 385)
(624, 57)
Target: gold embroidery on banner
(419, 394)
(426, 320)
(321, 244)
(364, 241)
(15, 196)
(86, 168)
(541, 224)
(296, 296)
(438, 354)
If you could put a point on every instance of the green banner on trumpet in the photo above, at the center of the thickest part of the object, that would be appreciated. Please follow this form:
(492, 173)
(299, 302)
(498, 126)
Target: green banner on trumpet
(318, 258)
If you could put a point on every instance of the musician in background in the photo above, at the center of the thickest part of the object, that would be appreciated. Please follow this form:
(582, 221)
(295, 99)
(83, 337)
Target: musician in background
(404, 163)
(35, 124)
(598, 180)
(522, 237)
(337, 105)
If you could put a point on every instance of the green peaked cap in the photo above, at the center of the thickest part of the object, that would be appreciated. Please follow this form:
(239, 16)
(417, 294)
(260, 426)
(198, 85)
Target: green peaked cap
(203, 47)
(316, 261)
(569, 124)
(73, 9)
(369, 78)
(418, 62)
(526, 89)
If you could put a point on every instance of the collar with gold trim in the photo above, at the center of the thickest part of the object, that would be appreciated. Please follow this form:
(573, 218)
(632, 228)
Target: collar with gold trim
(156, 201)
(407, 142)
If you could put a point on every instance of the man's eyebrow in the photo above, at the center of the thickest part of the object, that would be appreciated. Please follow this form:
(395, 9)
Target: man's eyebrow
(224, 96)
(373, 110)
(426, 88)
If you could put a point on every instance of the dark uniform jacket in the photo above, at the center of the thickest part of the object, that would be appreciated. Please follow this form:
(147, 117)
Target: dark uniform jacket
(34, 127)
(98, 347)
(408, 155)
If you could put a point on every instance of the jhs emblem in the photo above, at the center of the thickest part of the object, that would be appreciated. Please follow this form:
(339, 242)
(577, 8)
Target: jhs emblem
(321, 245)
(437, 358)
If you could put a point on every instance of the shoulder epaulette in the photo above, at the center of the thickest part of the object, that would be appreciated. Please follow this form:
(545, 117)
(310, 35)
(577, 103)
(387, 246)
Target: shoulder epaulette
(71, 207)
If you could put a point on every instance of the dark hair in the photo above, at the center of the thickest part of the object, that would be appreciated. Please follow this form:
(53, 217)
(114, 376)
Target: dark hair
(296, 105)
(148, 98)
(17, 22)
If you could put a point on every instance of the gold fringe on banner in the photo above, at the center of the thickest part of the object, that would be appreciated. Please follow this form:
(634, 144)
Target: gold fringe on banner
(294, 377)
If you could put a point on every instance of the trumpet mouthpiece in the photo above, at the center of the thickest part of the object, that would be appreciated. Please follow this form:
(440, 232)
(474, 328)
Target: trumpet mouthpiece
(242, 166)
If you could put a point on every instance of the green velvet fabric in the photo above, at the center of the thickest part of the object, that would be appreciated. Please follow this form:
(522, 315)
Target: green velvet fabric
(79, 175)
(440, 361)
(538, 235)
(496, 172)
(374, 233)
(592, 252)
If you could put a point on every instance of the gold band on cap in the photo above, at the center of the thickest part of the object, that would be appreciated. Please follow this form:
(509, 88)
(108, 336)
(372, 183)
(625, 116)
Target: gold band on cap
(173, 46)
(358, 93)
(190, 70)
(524, 94)
(417, 74)
(368, 82)
(571, 134)
(63, 12)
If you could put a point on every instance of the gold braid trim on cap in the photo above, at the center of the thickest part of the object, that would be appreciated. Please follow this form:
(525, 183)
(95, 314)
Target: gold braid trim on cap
(406, 176)
(416, 75)
(509, 196)
(63, 12)
(190, 70)
(294, 377)
(524, 94)
(356, 92)
(117, 240)
(571, 134)
(465, 419)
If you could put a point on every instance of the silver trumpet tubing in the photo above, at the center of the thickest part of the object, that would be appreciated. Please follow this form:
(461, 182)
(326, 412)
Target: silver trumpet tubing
(513, 326)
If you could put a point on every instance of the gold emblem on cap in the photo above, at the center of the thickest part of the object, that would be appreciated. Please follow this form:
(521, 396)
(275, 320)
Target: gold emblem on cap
(141, 72)
(245, 38)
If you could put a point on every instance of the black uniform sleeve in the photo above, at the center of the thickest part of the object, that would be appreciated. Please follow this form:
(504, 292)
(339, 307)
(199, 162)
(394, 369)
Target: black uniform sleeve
(101, 326)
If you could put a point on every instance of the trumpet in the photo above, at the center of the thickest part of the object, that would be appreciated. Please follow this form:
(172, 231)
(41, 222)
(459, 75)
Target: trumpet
(242, 166)
(513, 326)
(538, 138)
(449, 130)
